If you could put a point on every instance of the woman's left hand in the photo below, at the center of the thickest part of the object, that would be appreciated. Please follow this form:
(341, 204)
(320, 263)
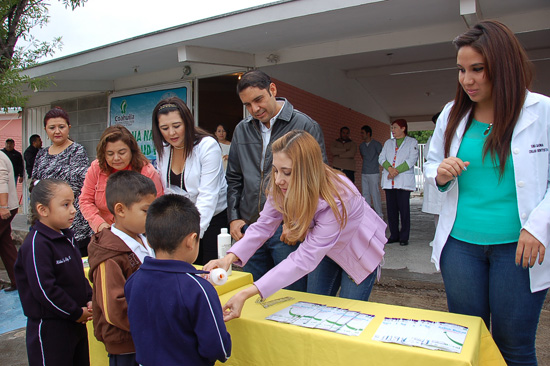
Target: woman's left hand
(233, 307)
(528, 249)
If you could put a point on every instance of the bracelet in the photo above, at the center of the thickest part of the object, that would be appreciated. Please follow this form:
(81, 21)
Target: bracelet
(7, 207)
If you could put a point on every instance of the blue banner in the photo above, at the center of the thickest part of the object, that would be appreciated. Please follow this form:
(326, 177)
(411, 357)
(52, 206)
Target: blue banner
(135, 113)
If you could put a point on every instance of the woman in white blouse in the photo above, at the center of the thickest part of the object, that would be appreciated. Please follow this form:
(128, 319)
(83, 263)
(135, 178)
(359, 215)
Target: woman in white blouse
(190, 164)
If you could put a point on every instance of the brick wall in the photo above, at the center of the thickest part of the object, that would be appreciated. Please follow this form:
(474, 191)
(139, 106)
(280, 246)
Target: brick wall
(332, 116)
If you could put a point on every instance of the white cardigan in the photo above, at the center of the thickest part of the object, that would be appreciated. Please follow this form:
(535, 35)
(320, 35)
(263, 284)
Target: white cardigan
(204, 179)
(408, 151)
(531, 157)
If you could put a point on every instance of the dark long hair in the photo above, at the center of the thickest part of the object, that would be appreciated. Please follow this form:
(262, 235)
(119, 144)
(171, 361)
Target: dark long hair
(193, 134)
(510, 73)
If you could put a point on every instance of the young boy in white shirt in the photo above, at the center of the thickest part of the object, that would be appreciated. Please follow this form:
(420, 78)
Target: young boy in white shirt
(116, 253)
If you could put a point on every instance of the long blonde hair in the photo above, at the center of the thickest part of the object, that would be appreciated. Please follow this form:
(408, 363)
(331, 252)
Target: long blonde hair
(310, 180)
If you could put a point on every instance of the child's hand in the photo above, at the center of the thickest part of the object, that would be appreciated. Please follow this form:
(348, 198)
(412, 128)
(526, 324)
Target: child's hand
(86, 315)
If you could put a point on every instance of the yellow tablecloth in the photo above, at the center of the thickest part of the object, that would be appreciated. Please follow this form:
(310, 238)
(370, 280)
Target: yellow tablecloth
(98, 355)
(257, 341)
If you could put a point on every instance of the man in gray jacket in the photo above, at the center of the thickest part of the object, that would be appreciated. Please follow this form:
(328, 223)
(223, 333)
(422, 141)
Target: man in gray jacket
(250, 161)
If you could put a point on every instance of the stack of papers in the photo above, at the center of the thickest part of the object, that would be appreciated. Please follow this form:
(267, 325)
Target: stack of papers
(310, 315)
(422, 333)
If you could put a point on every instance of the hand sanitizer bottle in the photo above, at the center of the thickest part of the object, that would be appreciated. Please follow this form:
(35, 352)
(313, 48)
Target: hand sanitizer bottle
(224, 244)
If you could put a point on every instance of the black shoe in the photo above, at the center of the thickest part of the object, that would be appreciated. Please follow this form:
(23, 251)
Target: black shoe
(10, 289)
(392, 240)
(404, 242)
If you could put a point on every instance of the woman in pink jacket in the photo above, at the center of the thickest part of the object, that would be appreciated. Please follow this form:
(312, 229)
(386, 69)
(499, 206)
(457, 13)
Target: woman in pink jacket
(117, 150)
(342, 237)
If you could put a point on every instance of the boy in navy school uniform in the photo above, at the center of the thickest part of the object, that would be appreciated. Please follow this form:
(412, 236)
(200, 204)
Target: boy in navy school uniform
(175, 315)
(115, 254)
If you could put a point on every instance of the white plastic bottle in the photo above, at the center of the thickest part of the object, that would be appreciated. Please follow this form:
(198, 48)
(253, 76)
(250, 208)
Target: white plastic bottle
(217, 276)
(224, 244)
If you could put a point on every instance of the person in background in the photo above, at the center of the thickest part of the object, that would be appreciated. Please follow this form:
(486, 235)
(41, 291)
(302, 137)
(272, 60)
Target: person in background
(16, 160)
(398, 157)
(433, 199)
(68, 161)
(35, 144)
(490, 153)
(55, 295)
(190, 164)
(9, 204)
(117, 150)
(343, 154)
(342, 237)
(370, 173)
(225, 144)
(250, 162)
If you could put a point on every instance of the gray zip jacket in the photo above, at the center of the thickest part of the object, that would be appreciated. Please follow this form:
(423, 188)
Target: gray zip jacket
(246, 180)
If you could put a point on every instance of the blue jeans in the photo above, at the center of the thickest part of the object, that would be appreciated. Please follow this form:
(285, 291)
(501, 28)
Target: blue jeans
(269, 255)
(484, 281)
(328, 277)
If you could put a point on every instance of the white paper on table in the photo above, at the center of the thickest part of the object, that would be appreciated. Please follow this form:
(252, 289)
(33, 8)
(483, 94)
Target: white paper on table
(292, 313)
(344, 319)
(447, 337)
(313, 310)
(320, 317)
(356, 325)
(332, 319)
(384, 330)
(421, 332)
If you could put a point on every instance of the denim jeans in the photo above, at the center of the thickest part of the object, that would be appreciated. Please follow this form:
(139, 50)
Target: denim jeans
(484, 281)
(269, 255)
(328, 277)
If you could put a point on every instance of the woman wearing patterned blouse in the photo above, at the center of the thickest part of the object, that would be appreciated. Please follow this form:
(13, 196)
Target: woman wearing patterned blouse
(66, 160)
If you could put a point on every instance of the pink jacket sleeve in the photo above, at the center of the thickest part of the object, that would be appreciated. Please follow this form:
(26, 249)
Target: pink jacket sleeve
(258, 233)
(324, 233)
(88, 206)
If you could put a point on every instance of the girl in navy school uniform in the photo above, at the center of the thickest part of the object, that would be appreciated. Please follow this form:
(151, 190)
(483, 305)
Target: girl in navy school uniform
(55, 295)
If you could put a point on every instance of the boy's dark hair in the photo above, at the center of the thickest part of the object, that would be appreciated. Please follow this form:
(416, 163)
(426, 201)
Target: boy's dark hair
(43, 192)
(255, 79)
(170, 218)
(127, 187)
(367, 129)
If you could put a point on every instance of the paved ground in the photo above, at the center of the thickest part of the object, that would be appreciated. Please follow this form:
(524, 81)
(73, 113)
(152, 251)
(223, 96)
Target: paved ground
(408, 279)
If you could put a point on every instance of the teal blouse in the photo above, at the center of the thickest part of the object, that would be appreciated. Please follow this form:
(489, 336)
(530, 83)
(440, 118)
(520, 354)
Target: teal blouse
(487, 211)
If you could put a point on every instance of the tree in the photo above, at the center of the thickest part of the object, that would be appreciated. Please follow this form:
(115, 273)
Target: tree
(421, 136)
(18, 18)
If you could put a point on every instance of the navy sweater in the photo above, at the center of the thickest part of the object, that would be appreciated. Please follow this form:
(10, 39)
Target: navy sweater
(50, 276)
(175, 316)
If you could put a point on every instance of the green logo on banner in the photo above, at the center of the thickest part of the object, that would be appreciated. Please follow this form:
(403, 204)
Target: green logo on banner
(123, 106)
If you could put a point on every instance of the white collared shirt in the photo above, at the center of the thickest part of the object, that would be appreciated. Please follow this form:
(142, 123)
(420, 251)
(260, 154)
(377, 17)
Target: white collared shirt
(266, 132)
(141, 251)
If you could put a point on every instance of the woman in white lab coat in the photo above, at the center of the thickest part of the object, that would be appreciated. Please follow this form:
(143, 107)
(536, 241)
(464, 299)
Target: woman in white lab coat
(398, 157)
(489, 152)
(433, 199)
